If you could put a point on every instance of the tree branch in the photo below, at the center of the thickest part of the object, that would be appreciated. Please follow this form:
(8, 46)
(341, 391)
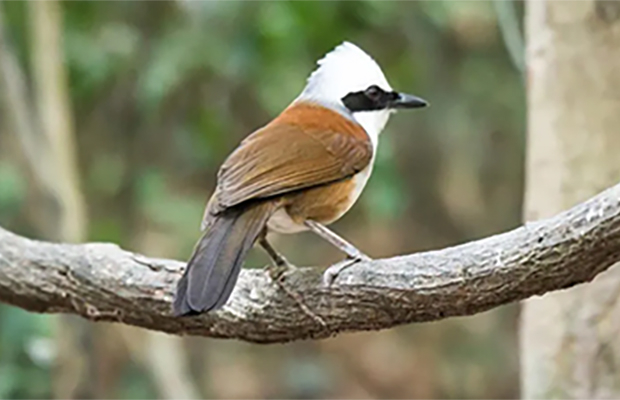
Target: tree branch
(103, 282)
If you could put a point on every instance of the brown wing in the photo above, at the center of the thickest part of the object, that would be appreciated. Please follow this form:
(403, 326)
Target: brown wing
(283, 157)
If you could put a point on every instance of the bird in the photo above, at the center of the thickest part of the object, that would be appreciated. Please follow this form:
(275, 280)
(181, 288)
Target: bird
(301, 171)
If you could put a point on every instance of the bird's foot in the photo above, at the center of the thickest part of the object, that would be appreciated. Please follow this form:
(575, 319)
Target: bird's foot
(331, 273)
(276, 271)
(278, 268)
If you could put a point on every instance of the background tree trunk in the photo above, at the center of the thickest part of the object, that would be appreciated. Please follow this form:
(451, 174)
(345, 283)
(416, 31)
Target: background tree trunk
(66, 219)
(89, 358)
(568, 339)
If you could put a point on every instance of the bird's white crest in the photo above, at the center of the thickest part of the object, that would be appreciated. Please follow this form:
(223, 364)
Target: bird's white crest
(347, 69)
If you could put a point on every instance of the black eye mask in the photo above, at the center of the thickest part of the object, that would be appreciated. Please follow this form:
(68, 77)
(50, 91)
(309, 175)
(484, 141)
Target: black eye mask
(373, 98)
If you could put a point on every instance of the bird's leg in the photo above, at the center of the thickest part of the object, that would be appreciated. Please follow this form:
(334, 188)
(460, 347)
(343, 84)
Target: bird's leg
(351, 251)
(277, 269)
(280, 264)
(344, 246)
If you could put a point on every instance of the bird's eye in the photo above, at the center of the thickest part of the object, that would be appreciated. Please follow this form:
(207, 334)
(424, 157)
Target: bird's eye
(373, 92)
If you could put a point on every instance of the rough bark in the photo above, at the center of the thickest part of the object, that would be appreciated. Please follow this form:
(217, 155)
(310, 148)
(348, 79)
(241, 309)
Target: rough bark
(104, 282)
(569, 339)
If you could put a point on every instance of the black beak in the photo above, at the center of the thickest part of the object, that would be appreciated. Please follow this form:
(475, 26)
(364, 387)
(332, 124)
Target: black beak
(408, 101)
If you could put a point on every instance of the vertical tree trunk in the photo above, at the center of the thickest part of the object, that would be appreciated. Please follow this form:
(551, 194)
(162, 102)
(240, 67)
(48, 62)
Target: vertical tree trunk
(569, 340)
(68, 223)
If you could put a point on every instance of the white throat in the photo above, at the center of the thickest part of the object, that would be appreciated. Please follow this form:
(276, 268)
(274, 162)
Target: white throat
(347, 69)
(373, 123)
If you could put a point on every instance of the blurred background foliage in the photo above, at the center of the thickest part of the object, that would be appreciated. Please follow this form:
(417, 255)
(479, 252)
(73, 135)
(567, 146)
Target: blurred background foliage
(160, 92)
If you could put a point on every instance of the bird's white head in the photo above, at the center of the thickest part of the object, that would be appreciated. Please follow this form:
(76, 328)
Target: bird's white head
(351, 82)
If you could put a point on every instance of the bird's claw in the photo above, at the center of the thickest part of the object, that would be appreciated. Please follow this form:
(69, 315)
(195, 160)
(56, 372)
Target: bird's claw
(277, 270)
(331, 273)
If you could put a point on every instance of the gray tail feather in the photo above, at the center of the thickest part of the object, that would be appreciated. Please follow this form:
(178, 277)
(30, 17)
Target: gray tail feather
(214, 267)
